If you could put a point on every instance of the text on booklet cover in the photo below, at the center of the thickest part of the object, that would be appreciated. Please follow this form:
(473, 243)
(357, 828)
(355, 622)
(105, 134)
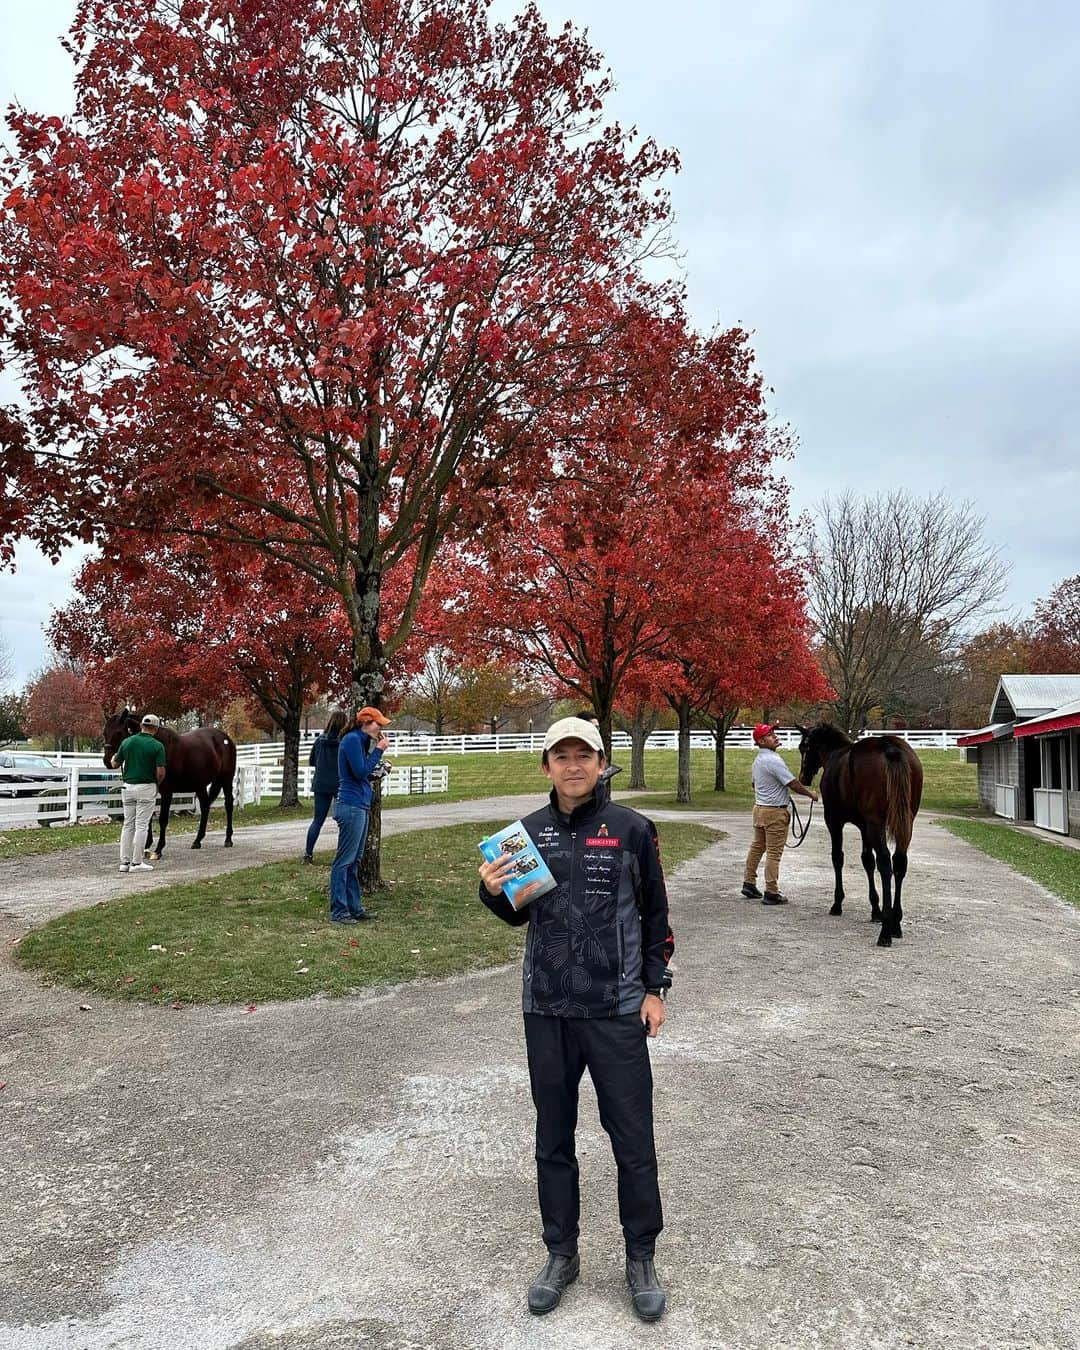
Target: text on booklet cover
(514, 843)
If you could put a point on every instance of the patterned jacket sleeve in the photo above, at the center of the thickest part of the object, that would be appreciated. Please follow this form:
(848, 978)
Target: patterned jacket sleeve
(503, 909)
(657, 939)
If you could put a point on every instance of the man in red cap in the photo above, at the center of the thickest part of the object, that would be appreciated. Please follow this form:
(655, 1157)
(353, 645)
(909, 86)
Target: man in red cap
(773, 785)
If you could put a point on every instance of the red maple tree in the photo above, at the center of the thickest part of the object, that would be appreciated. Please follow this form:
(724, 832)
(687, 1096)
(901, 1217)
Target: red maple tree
(599, 568)
(61, 704)
(305, 277)
(1054, 631)
(180, 627)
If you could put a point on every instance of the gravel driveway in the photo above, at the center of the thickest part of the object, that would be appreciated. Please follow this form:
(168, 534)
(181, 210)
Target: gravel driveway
(859, 1147)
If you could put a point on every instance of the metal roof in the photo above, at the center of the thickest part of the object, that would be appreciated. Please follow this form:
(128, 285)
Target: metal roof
(995, 732)
(1058, 719)
(1032, 695)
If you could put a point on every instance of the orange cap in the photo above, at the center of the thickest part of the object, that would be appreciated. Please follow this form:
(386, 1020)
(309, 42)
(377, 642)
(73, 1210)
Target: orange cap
(369, 714)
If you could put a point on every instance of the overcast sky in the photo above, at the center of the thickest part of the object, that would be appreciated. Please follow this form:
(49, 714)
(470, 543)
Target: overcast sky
(887, 194)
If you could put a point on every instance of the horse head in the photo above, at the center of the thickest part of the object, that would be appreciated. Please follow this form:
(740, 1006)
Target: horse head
(117, 727)
(816, 744)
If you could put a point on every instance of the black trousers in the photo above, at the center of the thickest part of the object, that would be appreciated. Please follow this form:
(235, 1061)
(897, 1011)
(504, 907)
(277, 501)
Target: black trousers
(614, 1051)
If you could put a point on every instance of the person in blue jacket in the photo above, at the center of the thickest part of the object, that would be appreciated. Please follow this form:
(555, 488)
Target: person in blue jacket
(324, 785)
(359, 755)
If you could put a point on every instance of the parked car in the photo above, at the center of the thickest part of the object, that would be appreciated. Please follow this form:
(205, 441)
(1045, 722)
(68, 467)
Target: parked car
(26, 775)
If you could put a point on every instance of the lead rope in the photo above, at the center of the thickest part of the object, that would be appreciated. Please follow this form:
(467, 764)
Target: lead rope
(799, 831)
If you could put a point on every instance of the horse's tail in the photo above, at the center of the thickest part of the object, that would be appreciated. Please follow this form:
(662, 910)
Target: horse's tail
(898, 813)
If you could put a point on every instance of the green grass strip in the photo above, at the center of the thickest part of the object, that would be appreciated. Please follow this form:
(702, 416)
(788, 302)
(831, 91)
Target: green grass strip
(1055, 866)
(263, 933)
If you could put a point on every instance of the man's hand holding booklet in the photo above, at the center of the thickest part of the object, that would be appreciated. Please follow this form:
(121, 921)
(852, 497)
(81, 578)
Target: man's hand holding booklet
(517, 868)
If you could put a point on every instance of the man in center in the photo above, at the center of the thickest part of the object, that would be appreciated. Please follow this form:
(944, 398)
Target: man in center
(595, 977)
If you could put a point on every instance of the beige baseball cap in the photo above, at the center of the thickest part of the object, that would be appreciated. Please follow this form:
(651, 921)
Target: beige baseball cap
(573, 728)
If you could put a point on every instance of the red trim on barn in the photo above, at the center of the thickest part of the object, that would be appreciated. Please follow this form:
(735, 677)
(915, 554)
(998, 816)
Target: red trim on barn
(1038, 728)
(982, 738)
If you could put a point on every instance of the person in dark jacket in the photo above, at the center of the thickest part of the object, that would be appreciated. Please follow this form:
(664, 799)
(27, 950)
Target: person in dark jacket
(594, 980)
(359, 755)
(324, 784)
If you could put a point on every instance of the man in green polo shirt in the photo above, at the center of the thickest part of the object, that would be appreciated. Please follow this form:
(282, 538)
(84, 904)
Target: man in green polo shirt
(142, 759)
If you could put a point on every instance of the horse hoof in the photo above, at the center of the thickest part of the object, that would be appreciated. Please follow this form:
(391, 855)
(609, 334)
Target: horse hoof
(228, 843)
(153, 857)
(884, 940)
(875, 916)
(836, 909)
(897, 932)
(196, 843)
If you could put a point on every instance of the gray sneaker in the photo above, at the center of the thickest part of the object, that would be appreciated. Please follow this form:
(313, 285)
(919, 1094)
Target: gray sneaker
(142, 867)
(124, 867)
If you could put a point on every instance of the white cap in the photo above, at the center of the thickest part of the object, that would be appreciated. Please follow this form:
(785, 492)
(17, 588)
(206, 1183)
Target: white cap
(151, 721)
(573, 728)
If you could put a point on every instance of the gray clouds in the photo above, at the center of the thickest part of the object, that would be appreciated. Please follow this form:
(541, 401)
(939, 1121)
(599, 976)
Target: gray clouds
(888, 196)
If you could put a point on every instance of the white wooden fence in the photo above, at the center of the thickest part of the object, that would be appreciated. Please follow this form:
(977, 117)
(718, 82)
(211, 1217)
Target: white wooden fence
(739, 738)
(92, 791)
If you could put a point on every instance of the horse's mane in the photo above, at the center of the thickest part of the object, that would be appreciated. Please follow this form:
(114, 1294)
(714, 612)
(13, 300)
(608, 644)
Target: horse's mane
(829, 737)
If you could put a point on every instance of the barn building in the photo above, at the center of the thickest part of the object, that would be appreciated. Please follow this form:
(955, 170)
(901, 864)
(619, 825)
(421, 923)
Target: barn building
(1029, 755)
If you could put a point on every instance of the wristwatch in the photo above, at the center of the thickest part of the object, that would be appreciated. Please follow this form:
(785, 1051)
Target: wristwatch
(660, 993)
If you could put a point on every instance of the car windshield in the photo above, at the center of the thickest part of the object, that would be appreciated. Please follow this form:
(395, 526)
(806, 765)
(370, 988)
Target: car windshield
(32, 762)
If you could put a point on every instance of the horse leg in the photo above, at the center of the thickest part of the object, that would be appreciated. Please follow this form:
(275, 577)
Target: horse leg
(836, 833)
(870, 864)
(204, 813)
(899, 866)
(884, 862)
(163, 823)
(226, 787)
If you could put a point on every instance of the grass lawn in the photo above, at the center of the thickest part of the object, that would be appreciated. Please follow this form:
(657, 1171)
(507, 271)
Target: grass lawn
(1054, 866)
(263, 933)
(950, 786)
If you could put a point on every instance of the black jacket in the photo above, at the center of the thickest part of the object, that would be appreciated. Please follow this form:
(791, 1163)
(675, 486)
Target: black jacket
(324, 760)
(601, 938)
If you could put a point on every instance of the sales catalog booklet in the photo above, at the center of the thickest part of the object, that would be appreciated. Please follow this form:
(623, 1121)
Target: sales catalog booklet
(514, 842)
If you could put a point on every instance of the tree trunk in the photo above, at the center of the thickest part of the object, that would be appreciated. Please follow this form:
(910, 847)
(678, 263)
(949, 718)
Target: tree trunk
(721, 726)
(682, 793)
(290, 763)
(719, 744)
(440, 722)
(603, 698)
(639, 734)
(368, 687)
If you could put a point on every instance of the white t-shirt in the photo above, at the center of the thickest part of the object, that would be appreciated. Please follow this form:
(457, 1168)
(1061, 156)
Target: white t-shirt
(771, 778)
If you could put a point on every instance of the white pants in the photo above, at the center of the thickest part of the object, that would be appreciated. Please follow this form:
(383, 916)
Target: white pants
(139, 800)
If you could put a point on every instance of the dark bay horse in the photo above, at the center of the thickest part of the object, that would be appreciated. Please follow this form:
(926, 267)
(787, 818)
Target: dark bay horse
(201, 761)
(876, 785)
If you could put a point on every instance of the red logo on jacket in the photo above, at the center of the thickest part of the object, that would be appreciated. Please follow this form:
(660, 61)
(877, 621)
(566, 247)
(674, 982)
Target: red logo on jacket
(602, 841)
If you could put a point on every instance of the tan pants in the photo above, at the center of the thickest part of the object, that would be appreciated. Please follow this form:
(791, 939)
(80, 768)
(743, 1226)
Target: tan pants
(770, 836)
